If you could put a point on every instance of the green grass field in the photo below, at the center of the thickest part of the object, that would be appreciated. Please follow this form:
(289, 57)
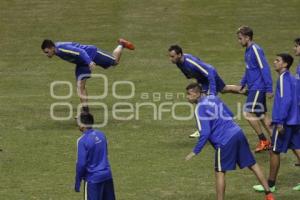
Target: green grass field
(38, 154)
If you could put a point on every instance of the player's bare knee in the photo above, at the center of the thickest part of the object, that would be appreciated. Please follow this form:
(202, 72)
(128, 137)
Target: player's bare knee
(81, 86)
(82, 89)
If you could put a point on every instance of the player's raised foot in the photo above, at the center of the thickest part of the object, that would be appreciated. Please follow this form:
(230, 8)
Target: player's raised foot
(262, 145)
(126, 44)
(297, 187)
(260, 188)
(269, 197)
(297, 164)
(195, 135)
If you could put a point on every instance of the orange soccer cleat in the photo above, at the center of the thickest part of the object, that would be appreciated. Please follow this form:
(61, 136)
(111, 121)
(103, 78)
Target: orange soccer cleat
(262, 145)
(269, 197)
(126, 44)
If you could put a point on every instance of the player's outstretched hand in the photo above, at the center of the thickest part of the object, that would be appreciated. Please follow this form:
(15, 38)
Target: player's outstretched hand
(190, 156)
(244, 91)
(77, 187)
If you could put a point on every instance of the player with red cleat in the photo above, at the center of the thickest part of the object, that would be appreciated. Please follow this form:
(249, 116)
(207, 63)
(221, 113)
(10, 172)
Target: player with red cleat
(258, 80)
(86, 57)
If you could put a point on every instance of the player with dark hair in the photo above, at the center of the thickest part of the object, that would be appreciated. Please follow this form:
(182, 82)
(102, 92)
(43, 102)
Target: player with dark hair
(92, 162)
(193, 67)
(297, 53)
(86, 57)
(257, 78)
(215, 122)
(205, 74)
(285, 118)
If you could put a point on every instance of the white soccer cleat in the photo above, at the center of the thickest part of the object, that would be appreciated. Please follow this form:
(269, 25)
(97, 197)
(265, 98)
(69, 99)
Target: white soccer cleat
(195, 135)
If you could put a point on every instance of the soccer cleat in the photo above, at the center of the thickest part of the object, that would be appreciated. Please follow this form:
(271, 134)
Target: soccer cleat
(262, 145)
(195, 135)
(126, 44)
(260, 188)
(297, 164)
(297, 187)
(269, 197)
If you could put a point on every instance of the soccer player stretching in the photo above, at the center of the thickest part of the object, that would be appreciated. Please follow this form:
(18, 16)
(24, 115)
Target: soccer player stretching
(205, 74)
(285, 118)
(214, 121)
(258, 79)
(86, 57)
(92, 162)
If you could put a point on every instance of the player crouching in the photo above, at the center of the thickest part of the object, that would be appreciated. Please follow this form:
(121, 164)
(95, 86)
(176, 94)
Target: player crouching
(216, 125)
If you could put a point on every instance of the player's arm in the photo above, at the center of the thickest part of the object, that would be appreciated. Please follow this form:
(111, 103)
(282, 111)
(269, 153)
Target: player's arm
(80, 164)
(264, 68)
(203, 125)
(285, 100)
(77, 52)
(212, 82)
(210, 74)
(244, 80)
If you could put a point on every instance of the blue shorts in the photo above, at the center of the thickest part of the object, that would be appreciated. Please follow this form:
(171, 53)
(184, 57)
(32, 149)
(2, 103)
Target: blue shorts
(289, 139)
(256, 102)
(102, 59)
(82, 72)
(235, 152)
(99, 191)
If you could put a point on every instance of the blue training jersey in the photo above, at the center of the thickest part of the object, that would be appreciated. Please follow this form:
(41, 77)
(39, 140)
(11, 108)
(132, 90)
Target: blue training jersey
(215, 123)
(257, 75)
(285, 106)
(193, 67)
(75, 53)
(92, 159)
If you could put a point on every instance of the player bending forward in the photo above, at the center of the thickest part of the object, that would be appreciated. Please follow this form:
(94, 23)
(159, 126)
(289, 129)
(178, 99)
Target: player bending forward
(214, 121)
(86, 57)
